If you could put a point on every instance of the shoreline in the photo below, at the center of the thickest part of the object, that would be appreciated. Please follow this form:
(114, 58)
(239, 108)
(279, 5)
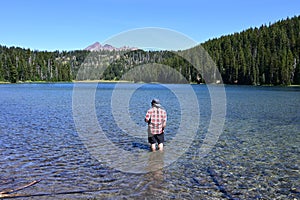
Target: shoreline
(100, 81)
(124, 81)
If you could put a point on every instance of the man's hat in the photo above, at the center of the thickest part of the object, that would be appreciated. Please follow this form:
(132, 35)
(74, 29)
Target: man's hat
(155, 102)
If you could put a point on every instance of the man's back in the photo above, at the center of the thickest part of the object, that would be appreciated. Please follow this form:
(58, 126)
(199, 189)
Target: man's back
(157, 118)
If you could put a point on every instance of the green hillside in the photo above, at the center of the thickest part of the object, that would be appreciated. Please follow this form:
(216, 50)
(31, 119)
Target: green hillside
(265, 55)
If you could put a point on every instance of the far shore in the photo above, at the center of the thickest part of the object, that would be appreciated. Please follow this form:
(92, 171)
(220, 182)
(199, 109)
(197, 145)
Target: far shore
(101, 81)
(73, 81)
(121, 81)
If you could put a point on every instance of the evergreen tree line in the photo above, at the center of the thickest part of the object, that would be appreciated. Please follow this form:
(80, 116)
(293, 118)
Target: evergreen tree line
(19, 64)
(265, 55)
(151, 66)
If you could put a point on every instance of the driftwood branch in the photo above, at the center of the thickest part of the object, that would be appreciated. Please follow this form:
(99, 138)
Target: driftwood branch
(5, 192)
(57, 193)
(8, 193)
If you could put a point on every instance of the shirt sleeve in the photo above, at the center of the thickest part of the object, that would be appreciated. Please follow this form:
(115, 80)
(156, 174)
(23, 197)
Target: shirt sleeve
(148, 116)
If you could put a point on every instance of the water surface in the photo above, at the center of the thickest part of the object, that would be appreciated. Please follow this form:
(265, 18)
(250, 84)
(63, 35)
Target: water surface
(255, 157)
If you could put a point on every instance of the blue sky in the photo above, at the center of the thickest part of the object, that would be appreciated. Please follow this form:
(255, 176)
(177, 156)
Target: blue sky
(75, 24)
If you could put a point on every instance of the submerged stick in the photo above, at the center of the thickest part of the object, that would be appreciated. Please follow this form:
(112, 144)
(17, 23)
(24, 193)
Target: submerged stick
(56, 193)
(19, 188)
(212, 173)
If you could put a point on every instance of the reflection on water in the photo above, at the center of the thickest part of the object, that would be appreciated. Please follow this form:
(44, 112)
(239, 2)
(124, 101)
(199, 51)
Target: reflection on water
(256, 157)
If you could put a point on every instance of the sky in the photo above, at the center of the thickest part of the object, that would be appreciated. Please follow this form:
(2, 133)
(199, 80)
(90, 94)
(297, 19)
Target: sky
(75, 24)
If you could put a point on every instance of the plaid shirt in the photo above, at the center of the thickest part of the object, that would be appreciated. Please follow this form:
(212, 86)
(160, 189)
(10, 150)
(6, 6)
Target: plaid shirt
(156, 118)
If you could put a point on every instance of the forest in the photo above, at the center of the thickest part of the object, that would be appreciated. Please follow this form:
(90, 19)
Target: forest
(266, 55)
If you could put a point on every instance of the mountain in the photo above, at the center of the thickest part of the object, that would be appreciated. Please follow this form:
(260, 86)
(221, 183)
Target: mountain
(106, 47)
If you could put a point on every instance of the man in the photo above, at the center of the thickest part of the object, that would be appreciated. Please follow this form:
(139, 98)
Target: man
(156, 117)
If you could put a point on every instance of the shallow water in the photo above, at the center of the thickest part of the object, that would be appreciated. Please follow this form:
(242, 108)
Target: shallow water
(257, 156)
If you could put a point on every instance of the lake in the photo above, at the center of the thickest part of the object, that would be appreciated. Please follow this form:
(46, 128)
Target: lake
(89, 141)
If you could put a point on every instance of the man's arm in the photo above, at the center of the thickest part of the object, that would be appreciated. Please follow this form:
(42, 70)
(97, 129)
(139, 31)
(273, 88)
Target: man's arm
(165, 120)
(148, 117)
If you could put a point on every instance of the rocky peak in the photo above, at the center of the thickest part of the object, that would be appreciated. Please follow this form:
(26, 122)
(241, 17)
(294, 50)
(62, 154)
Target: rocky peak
(107, 47)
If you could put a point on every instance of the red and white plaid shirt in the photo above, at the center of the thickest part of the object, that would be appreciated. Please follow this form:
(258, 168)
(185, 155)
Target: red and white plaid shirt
(157, 118)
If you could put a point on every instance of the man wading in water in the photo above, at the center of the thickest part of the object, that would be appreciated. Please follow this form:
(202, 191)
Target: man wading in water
(156, 118)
